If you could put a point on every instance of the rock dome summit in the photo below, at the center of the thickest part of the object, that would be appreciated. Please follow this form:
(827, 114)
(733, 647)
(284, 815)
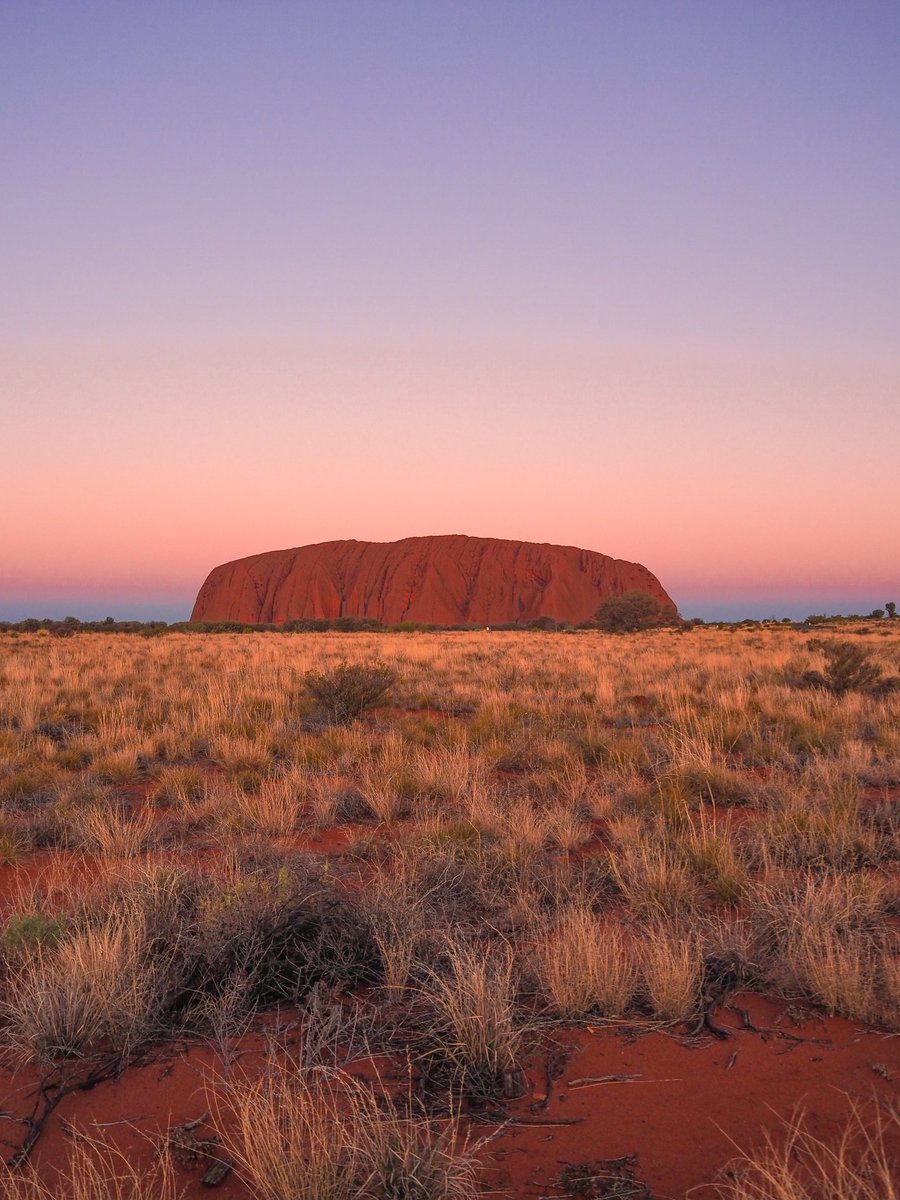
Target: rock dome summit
(442, 580)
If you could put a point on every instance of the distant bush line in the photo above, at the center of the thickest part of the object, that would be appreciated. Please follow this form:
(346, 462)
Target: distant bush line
(607, 622)
(72, 625)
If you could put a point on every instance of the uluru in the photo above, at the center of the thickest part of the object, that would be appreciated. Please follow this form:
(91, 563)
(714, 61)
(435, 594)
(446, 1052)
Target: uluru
(447, 579)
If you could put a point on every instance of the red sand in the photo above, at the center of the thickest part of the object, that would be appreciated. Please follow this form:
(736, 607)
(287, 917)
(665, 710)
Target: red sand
(689, 1111)
(690, 1108)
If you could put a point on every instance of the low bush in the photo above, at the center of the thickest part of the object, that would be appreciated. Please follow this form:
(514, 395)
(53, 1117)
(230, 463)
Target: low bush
(284, 929)
(25, 930)
(348, 690)
(848, 668)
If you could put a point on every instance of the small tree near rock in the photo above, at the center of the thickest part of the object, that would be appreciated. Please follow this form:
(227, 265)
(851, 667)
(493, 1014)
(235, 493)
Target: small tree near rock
(629, 613)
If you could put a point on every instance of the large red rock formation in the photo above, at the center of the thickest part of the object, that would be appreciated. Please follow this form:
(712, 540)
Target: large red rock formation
(446, 580)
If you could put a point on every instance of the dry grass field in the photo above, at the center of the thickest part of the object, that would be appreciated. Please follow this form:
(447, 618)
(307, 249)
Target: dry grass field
(435, 915)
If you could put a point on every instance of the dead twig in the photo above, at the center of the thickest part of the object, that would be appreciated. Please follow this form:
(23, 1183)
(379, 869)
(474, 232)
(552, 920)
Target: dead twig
(553, 1069)
(548, 1123)
(593, 1080)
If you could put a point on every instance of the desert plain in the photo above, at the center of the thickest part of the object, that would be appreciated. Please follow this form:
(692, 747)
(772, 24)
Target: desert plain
(327, 916)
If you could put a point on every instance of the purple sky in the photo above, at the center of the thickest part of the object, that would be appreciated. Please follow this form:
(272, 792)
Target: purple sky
(619, 275)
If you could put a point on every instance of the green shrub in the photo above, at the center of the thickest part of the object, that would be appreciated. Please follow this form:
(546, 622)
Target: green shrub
(347, 691)
(630, 612)
(848, 667)
(25, 930)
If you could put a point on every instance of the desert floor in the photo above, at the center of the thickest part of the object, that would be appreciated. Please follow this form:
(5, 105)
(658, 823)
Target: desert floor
(426, 915)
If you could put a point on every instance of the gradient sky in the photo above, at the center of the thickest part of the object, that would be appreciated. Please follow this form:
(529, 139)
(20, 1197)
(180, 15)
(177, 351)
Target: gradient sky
(618, 275)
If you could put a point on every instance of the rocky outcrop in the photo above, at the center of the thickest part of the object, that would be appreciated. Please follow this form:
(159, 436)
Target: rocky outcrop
(442, 580)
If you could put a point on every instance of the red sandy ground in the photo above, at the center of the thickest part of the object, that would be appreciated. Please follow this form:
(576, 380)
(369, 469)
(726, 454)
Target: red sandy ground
(691, 1106)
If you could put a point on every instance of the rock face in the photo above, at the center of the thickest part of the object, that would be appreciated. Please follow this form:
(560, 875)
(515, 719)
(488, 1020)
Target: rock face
(446, 580)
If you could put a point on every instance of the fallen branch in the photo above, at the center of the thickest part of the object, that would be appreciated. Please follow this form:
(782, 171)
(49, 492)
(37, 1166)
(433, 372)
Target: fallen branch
(49, 1094)
(593, 1081)
(553, 1068)
(547, 1123)
(217, 1172)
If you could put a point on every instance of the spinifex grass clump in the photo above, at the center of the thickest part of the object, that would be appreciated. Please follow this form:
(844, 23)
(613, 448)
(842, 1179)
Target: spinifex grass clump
(671, 967)
(476, 1030)
(319, 1135)
(584, 967)
(13, 844)
(95, 988)
(349, 689)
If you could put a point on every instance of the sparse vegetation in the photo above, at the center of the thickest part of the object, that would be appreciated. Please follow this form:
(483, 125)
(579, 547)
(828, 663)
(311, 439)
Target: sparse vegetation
(797, 1165)
(94, 1171)
(430, 853)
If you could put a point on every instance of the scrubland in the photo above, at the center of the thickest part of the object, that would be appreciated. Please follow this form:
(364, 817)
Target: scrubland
(390, 929)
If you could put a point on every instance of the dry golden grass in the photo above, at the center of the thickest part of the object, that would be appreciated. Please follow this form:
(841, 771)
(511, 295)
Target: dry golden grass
(476, 1026)
(585, 968)
(94, 989)
(274, 807)
(110, 834)
(797, 1165)
(839, 972)
(396, 910)
(653, 879)
(565, 824)
(671, 965)
(713, 859)
(320, 1135)
(179, 785)
(93, 1172)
